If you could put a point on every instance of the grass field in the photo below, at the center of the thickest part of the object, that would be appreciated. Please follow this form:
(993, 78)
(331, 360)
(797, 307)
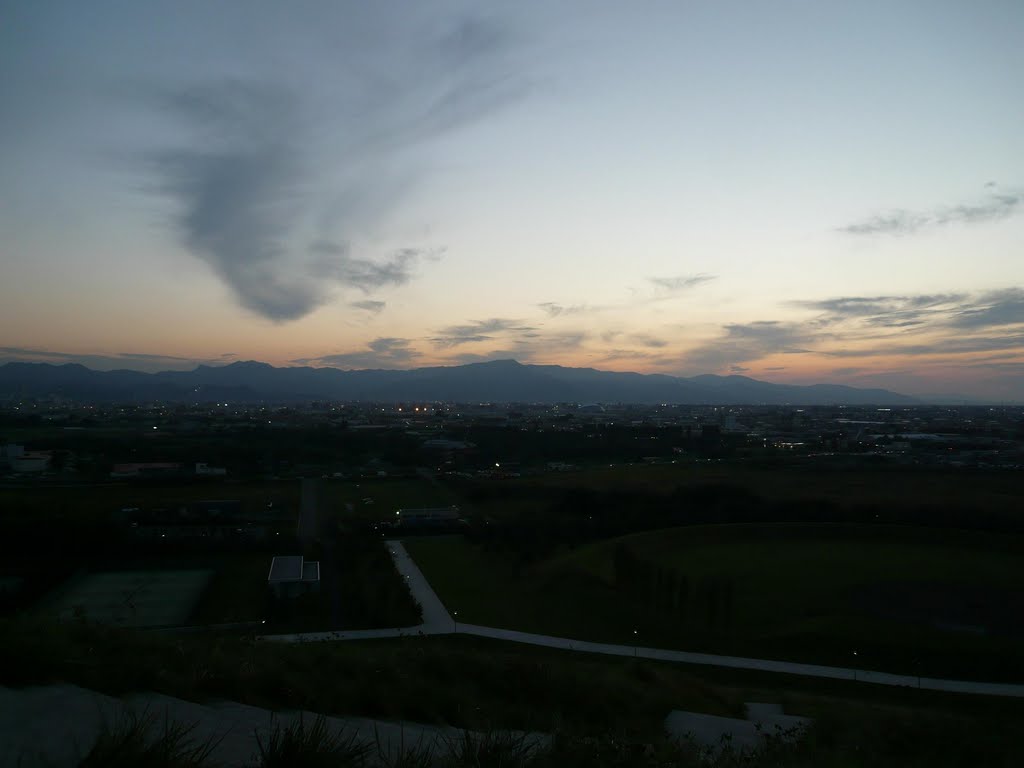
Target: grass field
(237, 591)
(937, 602)
(994, 491)
(89, 503)
(385, 495)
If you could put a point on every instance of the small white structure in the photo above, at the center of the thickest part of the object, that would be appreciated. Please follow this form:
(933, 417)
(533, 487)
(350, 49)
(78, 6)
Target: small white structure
(31, 461)
(10, 452)
(427, 516)
(202, 468)
(292, 575)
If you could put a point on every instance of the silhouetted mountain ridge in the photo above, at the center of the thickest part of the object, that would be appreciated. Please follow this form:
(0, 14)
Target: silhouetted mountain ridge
(496, 381)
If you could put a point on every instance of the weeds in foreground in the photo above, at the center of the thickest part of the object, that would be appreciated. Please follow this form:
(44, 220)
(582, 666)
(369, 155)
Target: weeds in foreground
(493, 749)
(310, 746)
(139, 741)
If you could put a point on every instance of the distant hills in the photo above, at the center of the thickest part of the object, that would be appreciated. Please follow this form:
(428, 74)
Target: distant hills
(497, 381)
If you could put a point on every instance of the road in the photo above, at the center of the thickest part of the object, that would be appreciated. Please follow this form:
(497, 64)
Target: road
(437, 621)
(307, 527)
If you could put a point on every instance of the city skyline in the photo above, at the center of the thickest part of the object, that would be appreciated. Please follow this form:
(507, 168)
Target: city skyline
(794, 193)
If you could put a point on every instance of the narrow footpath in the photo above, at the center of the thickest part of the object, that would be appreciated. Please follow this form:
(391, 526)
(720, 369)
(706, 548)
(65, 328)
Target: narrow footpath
(437, 621)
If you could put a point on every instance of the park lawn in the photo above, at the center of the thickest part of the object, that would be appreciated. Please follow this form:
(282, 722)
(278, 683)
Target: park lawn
(793, 587)
(489, 590)
(786, 572)
(883, 486)
(480, 588)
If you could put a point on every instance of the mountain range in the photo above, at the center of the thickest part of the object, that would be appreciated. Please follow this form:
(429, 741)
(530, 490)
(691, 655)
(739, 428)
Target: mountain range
(496, 381)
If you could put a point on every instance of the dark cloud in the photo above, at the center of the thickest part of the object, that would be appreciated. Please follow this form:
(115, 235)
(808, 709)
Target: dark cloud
(245, 176)
(240, 183)
(481, 330)
(737, 369)
(240, 194)
(993, 207)
(681, 282)
(384, 352)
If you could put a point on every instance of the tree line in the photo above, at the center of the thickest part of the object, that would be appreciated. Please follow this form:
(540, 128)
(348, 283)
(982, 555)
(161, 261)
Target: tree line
(708, 601)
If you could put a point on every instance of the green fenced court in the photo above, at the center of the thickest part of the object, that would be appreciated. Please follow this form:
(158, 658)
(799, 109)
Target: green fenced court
(133, 598)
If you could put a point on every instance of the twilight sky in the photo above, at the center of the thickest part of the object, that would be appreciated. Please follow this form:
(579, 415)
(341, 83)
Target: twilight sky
(795, 191)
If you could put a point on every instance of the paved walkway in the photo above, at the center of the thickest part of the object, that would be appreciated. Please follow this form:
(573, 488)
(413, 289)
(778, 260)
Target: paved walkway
(436, 621)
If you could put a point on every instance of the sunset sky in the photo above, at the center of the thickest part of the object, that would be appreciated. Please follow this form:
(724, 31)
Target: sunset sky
(796, 191)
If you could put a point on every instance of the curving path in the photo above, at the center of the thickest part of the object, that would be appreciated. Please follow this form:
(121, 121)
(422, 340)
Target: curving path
(437, 621)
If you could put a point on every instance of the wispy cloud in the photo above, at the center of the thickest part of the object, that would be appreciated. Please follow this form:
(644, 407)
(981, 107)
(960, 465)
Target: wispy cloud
(745, 342)
(665, 288)
(334, 262)
(647, 340)
(953, 326)
(994, 206)
(996, 308)
(384, 352)
(529, 348)
(945, 346)
(882, 311)
(935, 311)
(480, 330)
(142, 361)
(680, 283)
(372, 306)
(553, 309)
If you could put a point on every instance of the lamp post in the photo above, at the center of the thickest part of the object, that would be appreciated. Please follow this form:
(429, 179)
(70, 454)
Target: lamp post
(855, 665)
(455, 620)
(634, 644)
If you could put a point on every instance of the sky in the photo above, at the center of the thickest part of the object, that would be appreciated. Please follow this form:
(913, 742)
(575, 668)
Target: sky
(798, 192)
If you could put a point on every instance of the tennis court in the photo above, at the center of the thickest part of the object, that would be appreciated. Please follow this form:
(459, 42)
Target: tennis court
(134, 598)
